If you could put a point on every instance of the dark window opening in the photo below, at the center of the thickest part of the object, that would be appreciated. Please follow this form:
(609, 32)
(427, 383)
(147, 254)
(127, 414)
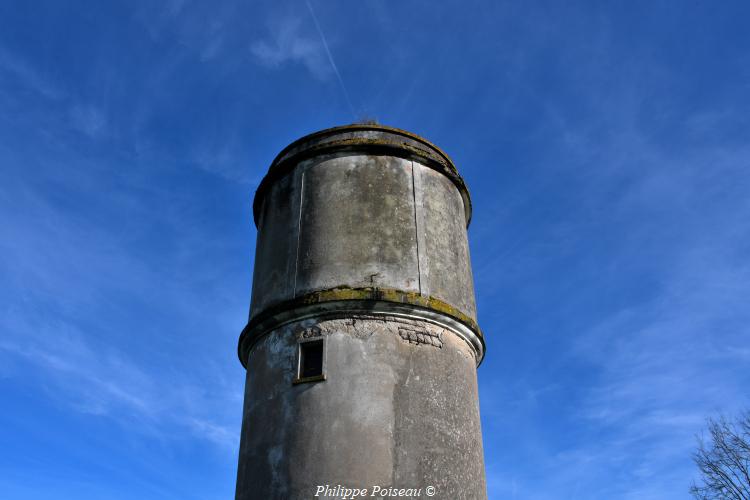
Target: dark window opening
(310, 361)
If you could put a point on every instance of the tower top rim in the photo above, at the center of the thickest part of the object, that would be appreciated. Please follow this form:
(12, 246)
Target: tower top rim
(352, 127)
(363, 138)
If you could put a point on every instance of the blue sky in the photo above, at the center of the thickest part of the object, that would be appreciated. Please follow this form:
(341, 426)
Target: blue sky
(605, 146)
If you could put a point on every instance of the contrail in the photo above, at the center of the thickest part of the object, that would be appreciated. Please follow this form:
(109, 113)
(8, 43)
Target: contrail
(330, 59)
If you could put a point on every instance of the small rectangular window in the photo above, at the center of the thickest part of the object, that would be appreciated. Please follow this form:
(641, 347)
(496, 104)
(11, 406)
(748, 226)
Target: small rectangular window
(310, 361)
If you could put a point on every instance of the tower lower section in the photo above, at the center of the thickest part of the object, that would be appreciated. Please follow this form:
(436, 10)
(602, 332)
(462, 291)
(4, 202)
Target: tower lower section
(395, 405)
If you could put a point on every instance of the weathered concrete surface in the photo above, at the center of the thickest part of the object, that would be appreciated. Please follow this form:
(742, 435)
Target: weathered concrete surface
(362, 241)
(444, 258)
(357, 225)
(276, 246)
(362, 220)
(398, 408)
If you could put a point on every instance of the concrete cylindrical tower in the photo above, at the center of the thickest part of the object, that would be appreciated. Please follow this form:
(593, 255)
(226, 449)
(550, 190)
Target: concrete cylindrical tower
(362, 345)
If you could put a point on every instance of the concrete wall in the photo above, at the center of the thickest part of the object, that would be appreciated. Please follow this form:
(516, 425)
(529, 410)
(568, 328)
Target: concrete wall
(362, 220)
(398, 408)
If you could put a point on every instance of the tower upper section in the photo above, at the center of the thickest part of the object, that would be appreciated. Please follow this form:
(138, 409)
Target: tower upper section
(362, 216)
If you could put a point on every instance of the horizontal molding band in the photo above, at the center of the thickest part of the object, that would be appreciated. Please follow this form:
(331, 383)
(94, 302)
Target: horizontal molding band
(344, 302)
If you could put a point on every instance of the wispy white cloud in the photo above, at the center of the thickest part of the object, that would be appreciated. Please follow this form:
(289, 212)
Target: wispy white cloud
(19, 70)
(669, 208)
(667, 363)
(289, 44)
(88, 119)
(31, 95)
(94, 378)
(67, 259)
(226, 157)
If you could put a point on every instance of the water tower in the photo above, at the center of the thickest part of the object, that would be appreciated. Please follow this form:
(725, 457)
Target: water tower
(362, 343)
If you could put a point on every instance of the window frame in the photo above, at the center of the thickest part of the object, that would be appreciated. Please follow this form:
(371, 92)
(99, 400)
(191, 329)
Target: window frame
(298, 379)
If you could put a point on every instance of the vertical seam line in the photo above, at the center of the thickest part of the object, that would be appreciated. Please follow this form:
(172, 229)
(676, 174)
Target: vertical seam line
(416, 228)
(299, 229)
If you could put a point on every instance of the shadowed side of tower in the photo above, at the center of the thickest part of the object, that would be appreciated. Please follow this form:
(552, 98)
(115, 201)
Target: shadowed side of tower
(362, 344)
